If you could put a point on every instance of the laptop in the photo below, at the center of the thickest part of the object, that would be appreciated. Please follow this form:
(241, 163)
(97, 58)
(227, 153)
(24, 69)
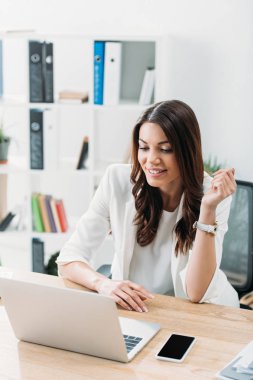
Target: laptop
(73, 320)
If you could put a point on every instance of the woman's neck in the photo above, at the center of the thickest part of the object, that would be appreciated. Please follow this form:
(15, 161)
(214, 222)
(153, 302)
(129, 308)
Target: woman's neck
(171, 197)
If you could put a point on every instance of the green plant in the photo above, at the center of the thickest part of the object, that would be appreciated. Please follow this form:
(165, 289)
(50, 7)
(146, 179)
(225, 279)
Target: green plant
(211, 165)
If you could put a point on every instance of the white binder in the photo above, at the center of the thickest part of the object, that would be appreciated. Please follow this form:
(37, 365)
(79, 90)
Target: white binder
(112, 73)
(51, 144)
(147, 88)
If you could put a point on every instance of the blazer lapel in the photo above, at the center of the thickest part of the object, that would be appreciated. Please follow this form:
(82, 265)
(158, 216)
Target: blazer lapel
(129, 237)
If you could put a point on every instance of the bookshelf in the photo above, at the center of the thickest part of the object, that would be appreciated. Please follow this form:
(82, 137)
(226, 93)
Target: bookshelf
(108, 128)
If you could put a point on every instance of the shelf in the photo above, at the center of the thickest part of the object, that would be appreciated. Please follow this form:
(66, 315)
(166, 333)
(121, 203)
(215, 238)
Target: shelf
(14, 165)
(63, 126)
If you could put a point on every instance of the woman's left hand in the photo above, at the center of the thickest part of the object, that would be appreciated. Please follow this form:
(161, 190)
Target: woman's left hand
(223, 185)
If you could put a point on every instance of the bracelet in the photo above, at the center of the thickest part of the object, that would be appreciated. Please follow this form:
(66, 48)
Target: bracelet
(210, 229)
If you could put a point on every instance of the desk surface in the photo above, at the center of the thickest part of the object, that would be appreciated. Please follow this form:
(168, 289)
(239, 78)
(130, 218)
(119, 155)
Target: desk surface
(221, 333)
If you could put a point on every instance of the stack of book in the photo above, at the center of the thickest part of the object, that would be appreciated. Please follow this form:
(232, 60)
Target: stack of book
(68, 96)
(107, 72)
(48, 214)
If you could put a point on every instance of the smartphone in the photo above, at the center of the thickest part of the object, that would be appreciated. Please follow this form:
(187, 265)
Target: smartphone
(176, 348)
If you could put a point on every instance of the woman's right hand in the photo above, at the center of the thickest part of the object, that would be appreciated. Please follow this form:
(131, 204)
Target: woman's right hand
(125, 293)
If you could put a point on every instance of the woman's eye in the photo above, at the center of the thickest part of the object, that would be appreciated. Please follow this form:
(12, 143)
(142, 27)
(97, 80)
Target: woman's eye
(167, 150)
(143, 148)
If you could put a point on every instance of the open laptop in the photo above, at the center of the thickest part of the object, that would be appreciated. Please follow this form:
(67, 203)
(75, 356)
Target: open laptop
(73, 320)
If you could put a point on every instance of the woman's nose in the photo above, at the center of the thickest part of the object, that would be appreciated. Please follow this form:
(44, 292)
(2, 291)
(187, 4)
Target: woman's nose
(153, 157)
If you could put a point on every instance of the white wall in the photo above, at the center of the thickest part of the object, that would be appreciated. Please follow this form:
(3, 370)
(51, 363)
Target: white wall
(211, 56)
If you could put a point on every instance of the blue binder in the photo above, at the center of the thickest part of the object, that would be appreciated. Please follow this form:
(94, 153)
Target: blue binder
(1, 68)
(99, 55)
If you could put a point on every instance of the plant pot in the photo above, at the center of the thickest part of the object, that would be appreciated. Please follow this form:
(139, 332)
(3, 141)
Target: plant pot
(4, 147)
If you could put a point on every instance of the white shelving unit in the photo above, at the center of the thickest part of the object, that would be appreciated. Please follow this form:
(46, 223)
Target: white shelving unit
(108, 127)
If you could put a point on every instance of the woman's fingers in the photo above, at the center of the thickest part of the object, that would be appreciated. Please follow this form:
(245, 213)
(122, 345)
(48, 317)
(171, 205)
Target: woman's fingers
(126, 293)
(140, 289)
(224, 181)
(132, 299)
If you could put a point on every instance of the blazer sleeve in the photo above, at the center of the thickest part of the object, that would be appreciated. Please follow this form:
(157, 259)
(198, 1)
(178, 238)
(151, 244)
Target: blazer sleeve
(219, 290)
(91, 229)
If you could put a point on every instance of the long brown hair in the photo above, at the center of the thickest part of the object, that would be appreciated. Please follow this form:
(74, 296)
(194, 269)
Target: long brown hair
(181, 127)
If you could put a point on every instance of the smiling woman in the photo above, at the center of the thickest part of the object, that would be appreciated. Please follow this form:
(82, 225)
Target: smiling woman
(168, 218)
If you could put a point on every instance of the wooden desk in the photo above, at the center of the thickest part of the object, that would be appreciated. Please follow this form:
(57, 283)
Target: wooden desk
(221, 333)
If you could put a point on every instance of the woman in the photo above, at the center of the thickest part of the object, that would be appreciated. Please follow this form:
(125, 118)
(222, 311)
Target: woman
(168, 218)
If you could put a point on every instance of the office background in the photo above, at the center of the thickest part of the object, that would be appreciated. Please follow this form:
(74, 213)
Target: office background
(210, 67)
(211, 56)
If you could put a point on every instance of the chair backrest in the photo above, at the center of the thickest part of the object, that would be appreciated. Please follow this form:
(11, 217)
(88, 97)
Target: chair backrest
(237, 257)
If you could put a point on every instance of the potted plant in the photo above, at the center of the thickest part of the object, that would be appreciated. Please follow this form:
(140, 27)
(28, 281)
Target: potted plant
(4, 146)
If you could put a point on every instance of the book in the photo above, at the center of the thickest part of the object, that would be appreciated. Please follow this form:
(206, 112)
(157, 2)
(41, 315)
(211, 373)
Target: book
(6, 221)
(73, 96)
(147, 88)
(55, 215)
(36, 214)
(99, 52)
(1, 68)
(112, 72)
(83, 154)
(44, 214)
(36, 139)
(50, 213)
(48, 72)
(38, 256)
(35, 72)
(61, 214)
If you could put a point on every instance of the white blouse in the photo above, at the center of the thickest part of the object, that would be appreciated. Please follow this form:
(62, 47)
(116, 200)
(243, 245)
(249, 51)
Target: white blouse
(151, 265)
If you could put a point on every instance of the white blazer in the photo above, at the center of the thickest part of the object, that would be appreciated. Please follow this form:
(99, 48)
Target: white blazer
(113, 208)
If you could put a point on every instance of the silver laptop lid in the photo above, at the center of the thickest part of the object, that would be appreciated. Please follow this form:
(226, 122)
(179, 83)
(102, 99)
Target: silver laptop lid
(69, 319)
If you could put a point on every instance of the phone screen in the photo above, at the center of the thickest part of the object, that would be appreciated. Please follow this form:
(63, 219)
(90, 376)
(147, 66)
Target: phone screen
(176, 346)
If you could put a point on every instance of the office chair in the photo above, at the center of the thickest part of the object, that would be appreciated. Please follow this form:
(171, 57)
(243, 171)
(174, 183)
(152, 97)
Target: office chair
(237, 256)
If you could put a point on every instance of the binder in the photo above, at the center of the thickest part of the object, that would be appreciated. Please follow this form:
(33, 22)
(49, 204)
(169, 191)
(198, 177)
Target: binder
(38, 255)
(50, 213)
(35, 72)
(112, 72)
(43, 211)
(36, 139)
(1, 68)
(55, 215)
(6, 221)
(83, 154)
(99, 53)
(36, 214)
(61, 214)
(50, 140)
(147, 88)
(47, 65)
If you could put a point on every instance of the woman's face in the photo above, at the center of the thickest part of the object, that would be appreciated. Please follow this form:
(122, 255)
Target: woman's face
(157, 158)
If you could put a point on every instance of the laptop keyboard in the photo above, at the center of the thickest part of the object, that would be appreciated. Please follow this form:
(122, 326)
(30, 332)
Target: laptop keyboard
(131, 341)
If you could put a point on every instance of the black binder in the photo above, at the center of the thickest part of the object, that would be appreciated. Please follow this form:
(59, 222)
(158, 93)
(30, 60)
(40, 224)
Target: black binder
(41, 74)
(36, 139)
(35, 72)
(47, 63)
(83, 154)
(38, 255)
(6, 221)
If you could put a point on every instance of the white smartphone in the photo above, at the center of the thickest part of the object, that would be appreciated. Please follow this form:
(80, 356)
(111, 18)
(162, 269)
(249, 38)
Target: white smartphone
(176, 348)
